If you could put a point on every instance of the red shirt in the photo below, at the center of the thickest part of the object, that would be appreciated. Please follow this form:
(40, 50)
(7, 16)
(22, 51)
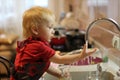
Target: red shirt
(32, 57)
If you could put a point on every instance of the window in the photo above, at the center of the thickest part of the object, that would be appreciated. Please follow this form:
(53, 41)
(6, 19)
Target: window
(43, 3)
(97, 2)
(98, 8)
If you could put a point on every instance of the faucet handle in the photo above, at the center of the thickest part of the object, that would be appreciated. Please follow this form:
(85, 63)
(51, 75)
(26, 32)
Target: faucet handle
(118, 73)
(99, 68)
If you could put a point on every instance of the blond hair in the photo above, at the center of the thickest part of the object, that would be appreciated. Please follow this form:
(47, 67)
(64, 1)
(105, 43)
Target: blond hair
(36, 17)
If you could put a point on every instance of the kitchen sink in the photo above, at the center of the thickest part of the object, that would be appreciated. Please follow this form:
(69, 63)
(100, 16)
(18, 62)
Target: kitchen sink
(92, 75)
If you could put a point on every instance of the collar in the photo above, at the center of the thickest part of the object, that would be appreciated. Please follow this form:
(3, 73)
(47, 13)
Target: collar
(21, 44)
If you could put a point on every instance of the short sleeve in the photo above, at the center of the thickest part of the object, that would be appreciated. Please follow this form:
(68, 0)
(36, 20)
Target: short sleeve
(46, 52)
(39, 51)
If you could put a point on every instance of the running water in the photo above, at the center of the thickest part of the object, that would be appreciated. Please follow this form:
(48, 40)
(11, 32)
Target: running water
(86, 45)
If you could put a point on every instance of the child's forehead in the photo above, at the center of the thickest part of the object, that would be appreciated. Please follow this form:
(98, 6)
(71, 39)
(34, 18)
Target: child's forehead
(52, 22)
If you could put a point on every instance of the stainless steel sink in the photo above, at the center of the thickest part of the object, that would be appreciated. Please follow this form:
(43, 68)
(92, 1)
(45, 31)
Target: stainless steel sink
(107, 76)
(92, 76)
(85, 76)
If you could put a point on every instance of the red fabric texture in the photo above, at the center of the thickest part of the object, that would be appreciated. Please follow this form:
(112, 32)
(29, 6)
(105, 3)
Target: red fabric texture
(34, 54)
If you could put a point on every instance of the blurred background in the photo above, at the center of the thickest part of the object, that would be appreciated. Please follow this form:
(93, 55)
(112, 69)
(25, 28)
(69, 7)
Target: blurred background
(84, 11)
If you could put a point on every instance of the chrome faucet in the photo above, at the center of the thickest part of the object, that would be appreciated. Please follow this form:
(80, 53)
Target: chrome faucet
(99, 68)
(99, 72)
(118, 73)
(96, 21)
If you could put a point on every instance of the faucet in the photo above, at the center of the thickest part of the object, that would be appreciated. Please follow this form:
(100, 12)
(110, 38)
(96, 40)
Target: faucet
(99, 20)
(118, 73)
(98, 73)
(99, 70)
(93, 25)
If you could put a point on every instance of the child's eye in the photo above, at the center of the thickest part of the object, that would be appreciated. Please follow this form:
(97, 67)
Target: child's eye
(49, 27)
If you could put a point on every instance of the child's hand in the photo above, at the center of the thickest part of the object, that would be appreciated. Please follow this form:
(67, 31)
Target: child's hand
(57, 52)
(66, 75)
(86, 53)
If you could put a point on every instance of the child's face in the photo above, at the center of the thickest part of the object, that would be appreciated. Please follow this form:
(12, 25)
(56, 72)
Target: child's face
(46, 32)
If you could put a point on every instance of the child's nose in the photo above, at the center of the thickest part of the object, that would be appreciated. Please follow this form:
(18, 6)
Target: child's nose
(52, 31)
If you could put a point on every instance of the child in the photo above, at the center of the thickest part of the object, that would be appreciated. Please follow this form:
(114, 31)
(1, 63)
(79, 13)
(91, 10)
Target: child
(34, 53)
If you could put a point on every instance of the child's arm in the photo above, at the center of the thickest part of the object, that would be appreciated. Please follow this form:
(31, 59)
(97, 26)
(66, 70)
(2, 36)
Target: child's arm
(66, 59)
(54, 71)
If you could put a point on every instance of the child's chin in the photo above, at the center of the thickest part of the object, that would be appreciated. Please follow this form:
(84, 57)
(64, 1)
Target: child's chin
(51, 36)
(49, 40)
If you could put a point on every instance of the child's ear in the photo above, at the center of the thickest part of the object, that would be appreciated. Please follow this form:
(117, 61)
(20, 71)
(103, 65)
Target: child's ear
(34, 30)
